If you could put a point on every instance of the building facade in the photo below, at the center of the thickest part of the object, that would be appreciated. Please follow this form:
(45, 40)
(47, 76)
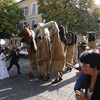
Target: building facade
(30, 8)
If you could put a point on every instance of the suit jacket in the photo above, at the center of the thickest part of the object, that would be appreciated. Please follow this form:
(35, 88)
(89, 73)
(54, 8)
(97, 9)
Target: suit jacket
(14, 55)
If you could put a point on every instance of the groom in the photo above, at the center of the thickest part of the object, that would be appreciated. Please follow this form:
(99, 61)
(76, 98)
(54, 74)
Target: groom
(14, 59)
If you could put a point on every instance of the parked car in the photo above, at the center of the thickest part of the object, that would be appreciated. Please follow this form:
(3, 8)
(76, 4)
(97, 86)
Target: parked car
(23, 54)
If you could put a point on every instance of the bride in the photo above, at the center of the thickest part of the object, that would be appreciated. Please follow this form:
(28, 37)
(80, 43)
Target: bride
(3, 69)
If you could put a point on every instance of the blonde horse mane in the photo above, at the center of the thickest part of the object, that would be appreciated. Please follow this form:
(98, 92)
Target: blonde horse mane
(53, 25)
(42, 31)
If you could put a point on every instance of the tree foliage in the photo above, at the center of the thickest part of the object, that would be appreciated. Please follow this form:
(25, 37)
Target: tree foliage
(73, 13)
(10, 17)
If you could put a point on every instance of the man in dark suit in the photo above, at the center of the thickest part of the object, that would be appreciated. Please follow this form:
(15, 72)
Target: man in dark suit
(14, 55)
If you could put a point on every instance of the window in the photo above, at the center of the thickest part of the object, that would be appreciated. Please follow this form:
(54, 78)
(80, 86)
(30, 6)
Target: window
(15, 41)
(34, 8)
(23, 24)
(33, 21)
(25, 9)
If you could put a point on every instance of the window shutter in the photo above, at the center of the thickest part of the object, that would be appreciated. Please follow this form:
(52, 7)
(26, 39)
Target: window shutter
(34, 8)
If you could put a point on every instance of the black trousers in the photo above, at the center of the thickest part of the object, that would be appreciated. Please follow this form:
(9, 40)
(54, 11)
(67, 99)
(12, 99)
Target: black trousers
(14, 63)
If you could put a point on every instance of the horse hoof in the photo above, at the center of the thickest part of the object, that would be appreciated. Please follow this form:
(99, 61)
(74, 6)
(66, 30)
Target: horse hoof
(30, 75)
(60, 79)
(55, 81)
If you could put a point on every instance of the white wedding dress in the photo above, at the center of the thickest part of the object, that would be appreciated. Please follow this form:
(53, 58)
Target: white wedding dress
(3, 69)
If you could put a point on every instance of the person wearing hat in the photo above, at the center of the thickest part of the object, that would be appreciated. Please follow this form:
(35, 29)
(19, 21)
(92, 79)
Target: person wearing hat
(14, 55)
(3, 69)
(91, 63)
(82, 46)
(92, 40)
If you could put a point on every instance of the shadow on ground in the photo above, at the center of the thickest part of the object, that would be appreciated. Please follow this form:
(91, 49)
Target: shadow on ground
(20, 87)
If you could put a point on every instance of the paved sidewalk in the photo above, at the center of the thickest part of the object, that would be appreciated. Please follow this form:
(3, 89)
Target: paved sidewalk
(21, 87)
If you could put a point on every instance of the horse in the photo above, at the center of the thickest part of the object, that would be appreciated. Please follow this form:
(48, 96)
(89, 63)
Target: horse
(29, 36)
(43, 50)
(58, 53)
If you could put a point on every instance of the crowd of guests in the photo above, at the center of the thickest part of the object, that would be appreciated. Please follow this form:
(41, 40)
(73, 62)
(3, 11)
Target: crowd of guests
(87, 85)
(91, 70)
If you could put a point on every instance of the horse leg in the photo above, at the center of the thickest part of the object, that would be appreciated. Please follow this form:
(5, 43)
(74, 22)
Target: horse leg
(30, 69)
(58, 78)
(33, 68)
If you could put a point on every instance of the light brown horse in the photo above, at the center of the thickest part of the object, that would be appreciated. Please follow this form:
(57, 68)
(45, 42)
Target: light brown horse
(58, 53)
(28, 36)
(43, 51)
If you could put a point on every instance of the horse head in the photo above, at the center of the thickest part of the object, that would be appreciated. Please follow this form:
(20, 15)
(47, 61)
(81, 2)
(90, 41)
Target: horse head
(53, 27)
(28, 36)
(42, 32)
(25, 35)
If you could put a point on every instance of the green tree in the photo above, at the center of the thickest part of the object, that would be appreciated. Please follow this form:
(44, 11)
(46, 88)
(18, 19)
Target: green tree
(73, 13)
(10, 17)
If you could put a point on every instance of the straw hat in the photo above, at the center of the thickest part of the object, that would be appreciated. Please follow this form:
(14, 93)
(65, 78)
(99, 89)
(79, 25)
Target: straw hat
(83, 45)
